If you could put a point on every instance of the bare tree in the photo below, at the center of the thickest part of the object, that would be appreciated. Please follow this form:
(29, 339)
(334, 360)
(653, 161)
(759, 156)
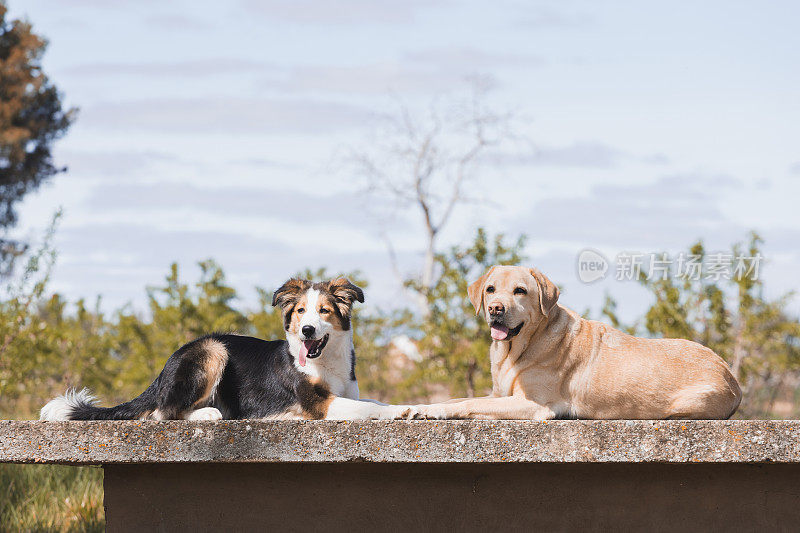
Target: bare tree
(424, 161)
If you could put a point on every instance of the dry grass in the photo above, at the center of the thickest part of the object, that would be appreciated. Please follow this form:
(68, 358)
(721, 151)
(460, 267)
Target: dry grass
(51, 498)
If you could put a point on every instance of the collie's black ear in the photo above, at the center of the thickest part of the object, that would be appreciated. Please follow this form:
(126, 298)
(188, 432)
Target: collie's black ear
(345, 292)
(289, 292)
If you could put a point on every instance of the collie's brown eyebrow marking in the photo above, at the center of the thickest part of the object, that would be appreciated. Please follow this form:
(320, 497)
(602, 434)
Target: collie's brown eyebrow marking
(338, 320)
(292, 317)
(287, 297)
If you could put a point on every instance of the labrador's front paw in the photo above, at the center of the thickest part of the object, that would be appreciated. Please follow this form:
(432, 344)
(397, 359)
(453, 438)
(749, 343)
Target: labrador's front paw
(427, 412)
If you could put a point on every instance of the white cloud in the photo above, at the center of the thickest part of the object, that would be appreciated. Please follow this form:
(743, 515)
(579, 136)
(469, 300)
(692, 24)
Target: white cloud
(579, 154)
(111, 163)
(225, 116)
(188, 68)
(177, 21)
(667, 214)
(473, 58)
(349, 12)
(332, 210)
(537, 16)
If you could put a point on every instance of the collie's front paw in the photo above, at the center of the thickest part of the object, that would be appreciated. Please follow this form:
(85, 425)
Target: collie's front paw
(407, 412)
(206, 413)
(395, 412)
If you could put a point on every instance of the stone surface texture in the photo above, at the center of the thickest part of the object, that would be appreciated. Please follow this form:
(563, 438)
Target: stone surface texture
(473, 441)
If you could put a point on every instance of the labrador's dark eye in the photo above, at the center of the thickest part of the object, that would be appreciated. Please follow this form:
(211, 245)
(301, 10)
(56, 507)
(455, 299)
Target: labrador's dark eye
(490, 289)
(520, 290)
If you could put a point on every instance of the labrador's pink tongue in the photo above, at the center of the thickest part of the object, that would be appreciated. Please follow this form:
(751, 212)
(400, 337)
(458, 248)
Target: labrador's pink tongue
(303, 353)
(499, 332)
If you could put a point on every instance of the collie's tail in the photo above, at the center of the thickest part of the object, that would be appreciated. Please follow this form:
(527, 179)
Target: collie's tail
(81, 405)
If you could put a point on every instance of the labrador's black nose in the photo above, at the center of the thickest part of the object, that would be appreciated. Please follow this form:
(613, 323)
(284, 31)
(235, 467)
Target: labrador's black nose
(308, 331)
(496, 309)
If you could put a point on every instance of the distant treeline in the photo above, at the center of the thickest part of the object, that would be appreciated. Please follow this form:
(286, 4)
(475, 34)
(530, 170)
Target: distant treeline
(49, 344)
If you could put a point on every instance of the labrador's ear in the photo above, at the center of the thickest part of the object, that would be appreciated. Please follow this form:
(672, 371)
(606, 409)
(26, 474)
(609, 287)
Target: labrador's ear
(475, 292)
(548, 291)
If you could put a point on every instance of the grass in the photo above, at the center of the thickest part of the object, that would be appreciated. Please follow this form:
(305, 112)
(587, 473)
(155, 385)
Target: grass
(51, 498)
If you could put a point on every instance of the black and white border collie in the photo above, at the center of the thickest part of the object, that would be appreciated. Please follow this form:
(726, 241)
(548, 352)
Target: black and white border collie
(311, 375)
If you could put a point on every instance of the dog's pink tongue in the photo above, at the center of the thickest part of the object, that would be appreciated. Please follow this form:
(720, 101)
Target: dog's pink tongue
(303, 353)
(499, 332)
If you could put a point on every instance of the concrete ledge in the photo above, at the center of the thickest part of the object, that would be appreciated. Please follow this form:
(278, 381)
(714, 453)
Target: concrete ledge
(251, 441)
(429, 476)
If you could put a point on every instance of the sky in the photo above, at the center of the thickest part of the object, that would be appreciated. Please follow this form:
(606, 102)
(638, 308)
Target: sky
(216, 130)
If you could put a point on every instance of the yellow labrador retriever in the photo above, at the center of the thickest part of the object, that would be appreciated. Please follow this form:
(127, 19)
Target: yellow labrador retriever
(549, 362)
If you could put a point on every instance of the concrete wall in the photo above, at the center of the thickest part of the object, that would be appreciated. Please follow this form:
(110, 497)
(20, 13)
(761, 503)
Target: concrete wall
(453, 476)
(453, 497)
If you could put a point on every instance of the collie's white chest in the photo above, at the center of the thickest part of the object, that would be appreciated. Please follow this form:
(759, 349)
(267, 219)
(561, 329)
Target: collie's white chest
(331, 368)
(337, 382)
